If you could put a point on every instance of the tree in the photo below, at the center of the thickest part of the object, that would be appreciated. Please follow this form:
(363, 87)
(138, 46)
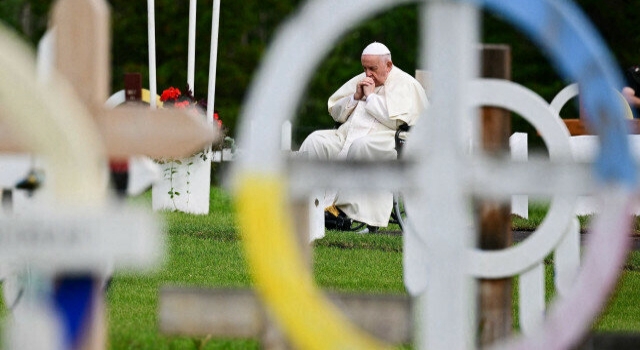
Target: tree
(247, 28)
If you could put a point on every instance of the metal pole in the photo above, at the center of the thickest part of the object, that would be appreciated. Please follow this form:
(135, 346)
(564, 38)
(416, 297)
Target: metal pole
(213, 59)
(192, 46)
(151, 19)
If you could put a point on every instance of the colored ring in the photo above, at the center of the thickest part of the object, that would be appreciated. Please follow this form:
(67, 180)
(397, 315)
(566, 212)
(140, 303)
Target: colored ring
(119, 98)
(571, 91)
(518, 258)
(270, 103)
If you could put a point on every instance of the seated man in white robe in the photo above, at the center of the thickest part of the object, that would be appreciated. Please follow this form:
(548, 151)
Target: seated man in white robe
(371, 106)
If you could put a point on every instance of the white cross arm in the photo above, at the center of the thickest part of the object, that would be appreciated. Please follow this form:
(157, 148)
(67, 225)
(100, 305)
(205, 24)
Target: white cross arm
(82, 239)
(8, 142)
(155, 133)
(141, 131)
(489, 177)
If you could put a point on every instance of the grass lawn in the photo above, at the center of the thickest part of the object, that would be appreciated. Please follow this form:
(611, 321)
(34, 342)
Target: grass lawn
(206, 251)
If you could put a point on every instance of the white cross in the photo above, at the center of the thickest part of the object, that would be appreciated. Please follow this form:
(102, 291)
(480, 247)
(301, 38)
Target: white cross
(439, 172)
(82, 51)
(80, 230)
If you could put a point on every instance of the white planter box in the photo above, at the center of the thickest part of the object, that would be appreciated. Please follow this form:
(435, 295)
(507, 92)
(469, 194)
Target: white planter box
(223, 156)
(184, 186)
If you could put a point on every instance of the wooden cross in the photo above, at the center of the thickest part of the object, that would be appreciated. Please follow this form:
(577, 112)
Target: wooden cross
(82, 54)
(238, 313)
(81, 31)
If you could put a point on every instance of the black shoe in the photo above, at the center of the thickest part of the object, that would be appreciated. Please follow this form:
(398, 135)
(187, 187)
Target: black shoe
(32, 182)
(340, 222)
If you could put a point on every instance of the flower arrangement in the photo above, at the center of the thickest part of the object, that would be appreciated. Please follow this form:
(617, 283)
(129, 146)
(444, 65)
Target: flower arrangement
(182, 168)
(173, 97)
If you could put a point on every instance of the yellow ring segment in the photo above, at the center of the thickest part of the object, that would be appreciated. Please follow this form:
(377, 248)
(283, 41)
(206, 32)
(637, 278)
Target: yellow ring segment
(281, 275)
(146, 97)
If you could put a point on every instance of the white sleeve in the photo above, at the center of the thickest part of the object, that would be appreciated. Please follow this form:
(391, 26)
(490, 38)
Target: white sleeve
(343, 109)
(377, 107)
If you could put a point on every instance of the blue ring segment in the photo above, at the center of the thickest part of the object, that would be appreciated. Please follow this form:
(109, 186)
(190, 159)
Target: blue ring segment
(575, 48)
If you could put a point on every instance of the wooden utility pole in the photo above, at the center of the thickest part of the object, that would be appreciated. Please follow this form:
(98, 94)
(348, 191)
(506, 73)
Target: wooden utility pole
(495, 216)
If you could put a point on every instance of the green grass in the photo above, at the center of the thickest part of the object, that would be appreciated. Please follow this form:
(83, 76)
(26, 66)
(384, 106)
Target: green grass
(537, 213)
(206, 251)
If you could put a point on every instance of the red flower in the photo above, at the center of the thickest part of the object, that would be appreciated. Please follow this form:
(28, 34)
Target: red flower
(217, 119)
(170, 94)
(183, 104)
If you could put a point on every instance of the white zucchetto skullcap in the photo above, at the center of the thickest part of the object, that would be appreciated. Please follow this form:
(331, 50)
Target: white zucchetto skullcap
(376, 49)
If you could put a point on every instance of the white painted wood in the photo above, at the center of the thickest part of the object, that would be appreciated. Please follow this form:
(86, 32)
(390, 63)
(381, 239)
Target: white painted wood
(213, 60)
(438, 183)
(238, 313)
(141, 131)
(519, 152)
(191, 59)
(116, 99)
(423, 76)
(13, 168)
(562, 97)
(45, 58)
(185, 182)
(143, 173)
(151, 35)
(507, 262)
(35, 317)
(567, 259)
(584, 149)
(83, 48)
(532, 299)
(189, 183)
(155, 133)
(415, 266)
(285, 144)
(446, 224)
(316, 215)
(81, 239)
(65, 235)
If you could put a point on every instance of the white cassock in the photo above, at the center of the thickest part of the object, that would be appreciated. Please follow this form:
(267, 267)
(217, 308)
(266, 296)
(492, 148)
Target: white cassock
(367, 132)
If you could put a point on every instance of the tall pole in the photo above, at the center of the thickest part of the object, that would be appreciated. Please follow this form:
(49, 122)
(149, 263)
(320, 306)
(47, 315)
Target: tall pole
(191, 61)
(151, 19)
(213, 59)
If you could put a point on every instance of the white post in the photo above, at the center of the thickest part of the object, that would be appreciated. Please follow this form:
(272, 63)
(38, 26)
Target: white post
(213, 59)
(151, 19)
(285, 141)
(451, 57)
(191, 61)
(316, 215)
(518, 144)
(532, 299)
(567, 258)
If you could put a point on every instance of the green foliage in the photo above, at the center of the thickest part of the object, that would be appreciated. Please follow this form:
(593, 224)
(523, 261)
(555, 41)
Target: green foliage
(248, 27)
(537, 213)
(397, 28)
(27, 17)
(357, 270)
(622, 312)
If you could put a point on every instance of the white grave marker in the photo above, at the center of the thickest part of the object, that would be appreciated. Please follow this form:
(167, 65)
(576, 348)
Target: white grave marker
(84, 232)
(76, 231)
(439, 174)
